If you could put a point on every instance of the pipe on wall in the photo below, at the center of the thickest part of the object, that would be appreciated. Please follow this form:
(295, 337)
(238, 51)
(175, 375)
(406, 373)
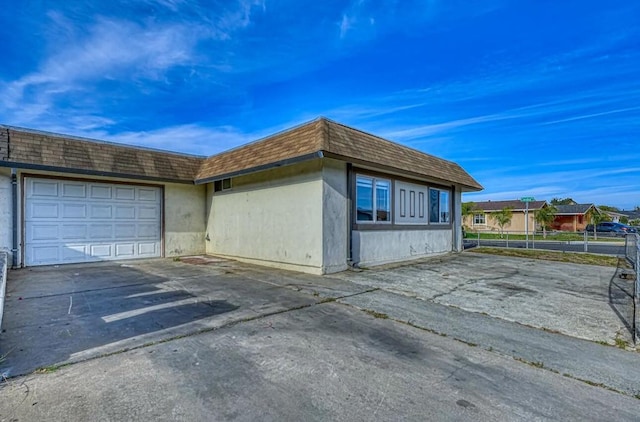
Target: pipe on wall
(14, 213)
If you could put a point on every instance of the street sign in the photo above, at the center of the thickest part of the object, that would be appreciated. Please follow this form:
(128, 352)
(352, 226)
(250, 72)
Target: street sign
(527, 199)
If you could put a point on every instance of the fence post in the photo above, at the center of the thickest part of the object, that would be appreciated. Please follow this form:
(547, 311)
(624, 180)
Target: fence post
(533, 239)
(507, 239)
(637, 287)
(478, 238)
(586, 241)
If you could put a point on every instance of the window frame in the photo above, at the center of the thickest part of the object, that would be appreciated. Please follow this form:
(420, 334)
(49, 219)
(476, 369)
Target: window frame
(440, 202)
(484, 219)
(359, 225)
(374, 199)
(222, 185)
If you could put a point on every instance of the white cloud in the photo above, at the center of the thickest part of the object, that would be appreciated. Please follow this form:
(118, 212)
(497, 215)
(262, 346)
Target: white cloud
(110, 49)
(188, 138)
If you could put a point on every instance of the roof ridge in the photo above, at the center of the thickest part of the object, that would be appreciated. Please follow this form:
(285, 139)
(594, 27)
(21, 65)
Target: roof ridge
(97, 141)
(265, 138)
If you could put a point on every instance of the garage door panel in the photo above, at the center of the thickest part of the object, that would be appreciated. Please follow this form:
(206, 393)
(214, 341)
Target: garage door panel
(74, 253)
(125, 231)
(100, 192)
(147, 249)
(69, 221)
(74, 231)
(125, 193)
(42, 254)
(43, 232)
(100, 211)
(148, 213)
(127, 212)
(42, 188)
(101, 231)
(146, 194)
(74, 210)
(147, 231)
(124, 250)
(74, 190)
(44, 210)
(100, 251)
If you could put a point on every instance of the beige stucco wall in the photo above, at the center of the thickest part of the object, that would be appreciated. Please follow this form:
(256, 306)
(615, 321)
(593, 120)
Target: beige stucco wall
(517, 224)
(335, 230)
(184, 219)
(377, 247)
(271, 218)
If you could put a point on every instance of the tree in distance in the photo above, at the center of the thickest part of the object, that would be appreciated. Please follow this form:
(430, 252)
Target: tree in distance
(545, 217)
(502, 218)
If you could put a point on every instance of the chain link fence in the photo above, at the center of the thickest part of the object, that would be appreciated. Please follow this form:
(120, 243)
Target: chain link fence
(599, 243)
(632, 255)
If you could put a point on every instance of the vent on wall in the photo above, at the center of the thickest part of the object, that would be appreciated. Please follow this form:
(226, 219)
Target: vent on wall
(220, 185)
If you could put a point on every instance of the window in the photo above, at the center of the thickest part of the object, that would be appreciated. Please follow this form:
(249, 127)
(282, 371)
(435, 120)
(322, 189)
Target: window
(439, 206)
(220, 185)
(373, 199)
(478, 219)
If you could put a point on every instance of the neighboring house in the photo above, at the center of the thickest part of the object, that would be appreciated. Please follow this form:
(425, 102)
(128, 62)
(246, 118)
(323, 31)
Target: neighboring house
(573, 218)
(632, 216)
(615, 216)
(315, 198)
(481, 219)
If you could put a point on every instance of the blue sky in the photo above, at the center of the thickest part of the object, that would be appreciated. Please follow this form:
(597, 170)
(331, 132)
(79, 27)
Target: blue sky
(533, 98)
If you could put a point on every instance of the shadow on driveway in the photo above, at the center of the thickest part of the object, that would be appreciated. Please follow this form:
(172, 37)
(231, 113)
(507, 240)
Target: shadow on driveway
(54, 314)
(621, 299)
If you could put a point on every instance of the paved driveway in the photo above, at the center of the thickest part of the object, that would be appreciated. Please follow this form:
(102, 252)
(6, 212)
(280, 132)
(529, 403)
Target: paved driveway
(584, 301)
(210, 339)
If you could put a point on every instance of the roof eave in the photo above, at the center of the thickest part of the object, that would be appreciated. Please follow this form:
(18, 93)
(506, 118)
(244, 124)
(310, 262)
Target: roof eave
(255, 169)
(71, 170)
(465, 187)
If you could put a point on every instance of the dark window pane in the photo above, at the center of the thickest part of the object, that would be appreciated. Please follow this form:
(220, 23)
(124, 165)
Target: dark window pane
(364, 198)
(434, 206)
(226, 183)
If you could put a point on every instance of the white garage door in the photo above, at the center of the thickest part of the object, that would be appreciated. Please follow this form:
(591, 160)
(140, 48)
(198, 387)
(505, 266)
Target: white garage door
(69, 221)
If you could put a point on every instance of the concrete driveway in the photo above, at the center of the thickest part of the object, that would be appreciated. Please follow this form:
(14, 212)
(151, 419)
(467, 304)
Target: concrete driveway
(56, 315)
(209, 339)
(584, 301)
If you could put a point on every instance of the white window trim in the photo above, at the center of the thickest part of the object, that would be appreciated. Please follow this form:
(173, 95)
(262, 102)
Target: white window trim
(473, 219)
(374, 180)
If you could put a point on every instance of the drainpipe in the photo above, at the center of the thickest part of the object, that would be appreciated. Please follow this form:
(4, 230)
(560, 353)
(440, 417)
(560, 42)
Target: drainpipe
(14, 203)
(349, 216)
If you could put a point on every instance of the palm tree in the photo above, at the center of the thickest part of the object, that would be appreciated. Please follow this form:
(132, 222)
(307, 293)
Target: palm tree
(545, 217)
(596, 217)
(467, 209)
(502, 218)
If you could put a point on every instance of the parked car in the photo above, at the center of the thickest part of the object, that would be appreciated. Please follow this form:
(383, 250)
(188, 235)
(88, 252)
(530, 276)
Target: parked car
(616, 229)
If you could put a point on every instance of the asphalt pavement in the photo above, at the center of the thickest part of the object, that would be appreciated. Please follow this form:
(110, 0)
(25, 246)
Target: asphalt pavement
(605, 248)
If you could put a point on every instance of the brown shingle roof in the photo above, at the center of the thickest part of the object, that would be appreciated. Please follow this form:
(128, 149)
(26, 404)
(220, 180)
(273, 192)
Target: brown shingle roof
(334, 140)
(321, 137)
(515, 204)
(43, 150)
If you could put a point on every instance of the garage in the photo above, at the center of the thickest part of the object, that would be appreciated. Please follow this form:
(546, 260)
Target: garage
(73, 221)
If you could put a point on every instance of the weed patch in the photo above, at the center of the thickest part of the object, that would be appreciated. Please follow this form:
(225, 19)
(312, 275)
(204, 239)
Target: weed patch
(375, 314)
(568, 257)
